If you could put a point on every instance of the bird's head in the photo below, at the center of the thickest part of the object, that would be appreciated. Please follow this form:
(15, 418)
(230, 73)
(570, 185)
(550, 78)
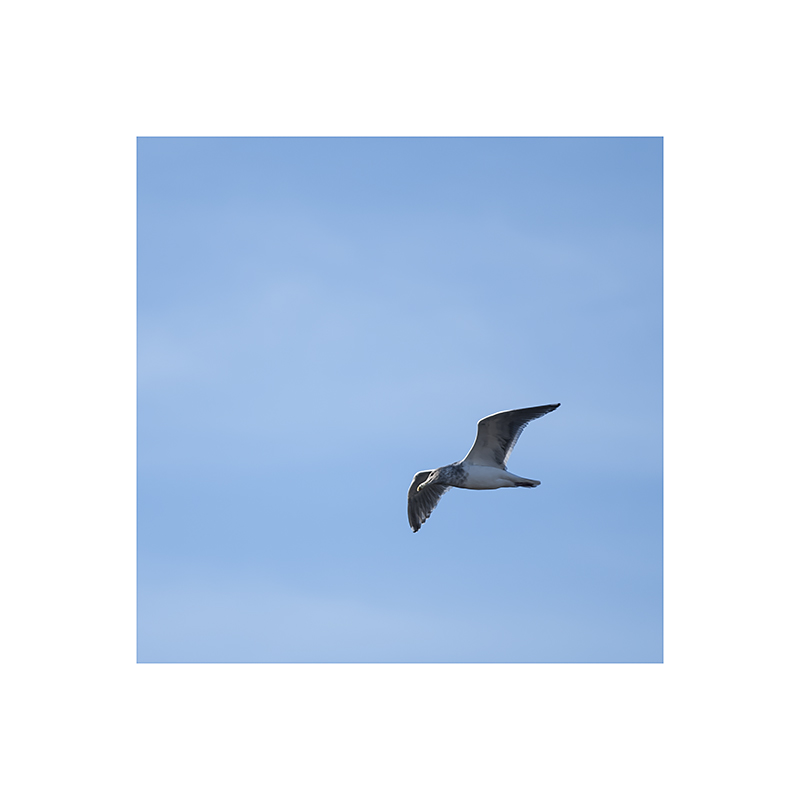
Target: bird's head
(432, 478)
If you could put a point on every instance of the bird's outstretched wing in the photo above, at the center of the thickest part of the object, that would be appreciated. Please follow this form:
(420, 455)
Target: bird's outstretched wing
(422, 503)
(498, 433)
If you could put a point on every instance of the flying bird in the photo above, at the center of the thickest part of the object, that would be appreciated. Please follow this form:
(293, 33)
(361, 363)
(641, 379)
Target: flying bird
(484, 467)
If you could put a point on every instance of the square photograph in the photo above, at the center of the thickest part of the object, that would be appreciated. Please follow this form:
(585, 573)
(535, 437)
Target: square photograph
(400, 400)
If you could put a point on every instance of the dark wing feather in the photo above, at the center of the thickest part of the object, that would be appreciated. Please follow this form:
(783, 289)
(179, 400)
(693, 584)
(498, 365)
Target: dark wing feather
(422, 503)
(498, 433)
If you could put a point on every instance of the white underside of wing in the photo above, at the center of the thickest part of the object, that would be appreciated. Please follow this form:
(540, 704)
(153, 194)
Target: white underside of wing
(487, 449)
(483, 456)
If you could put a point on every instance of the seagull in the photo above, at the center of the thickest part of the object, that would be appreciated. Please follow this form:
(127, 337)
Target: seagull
(484, 467)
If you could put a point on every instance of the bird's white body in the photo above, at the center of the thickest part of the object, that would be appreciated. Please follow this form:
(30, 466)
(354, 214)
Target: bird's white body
(483, 477)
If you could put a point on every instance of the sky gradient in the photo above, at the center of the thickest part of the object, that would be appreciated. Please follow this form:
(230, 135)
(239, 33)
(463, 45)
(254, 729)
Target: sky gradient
(319, 319)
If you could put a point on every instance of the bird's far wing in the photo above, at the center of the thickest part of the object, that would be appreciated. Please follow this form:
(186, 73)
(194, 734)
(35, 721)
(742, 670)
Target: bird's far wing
(498, 433)
(421, 504)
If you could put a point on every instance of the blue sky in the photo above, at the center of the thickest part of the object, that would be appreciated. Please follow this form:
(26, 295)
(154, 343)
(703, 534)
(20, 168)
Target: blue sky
(318, 319)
